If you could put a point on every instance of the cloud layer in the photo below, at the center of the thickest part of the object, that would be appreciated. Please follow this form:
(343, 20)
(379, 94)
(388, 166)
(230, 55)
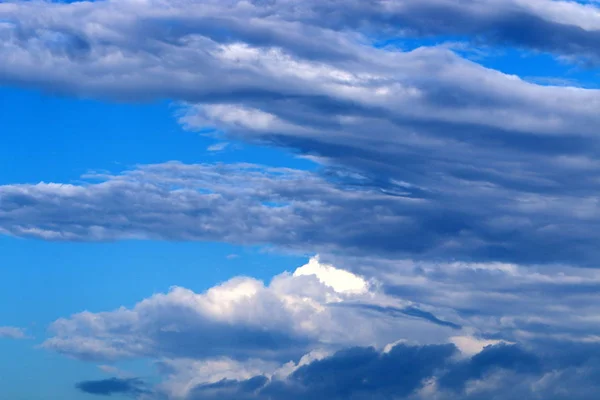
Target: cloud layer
(252, 204)
(440, 135)
(437, 372)
(456, 206)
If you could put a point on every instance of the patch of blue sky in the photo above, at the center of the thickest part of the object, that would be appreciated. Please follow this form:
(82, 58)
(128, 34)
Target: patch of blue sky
(75, 277)
(57, 139)
(410, 43)
(540, 68)
(28, 373)
(70, 276)
(534, 66)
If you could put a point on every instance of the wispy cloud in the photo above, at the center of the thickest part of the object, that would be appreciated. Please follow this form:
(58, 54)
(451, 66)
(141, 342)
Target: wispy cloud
(10, 332)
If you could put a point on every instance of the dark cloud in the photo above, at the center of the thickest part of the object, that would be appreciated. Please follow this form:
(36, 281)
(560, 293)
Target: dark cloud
(554, 27)
(417, 373)
(542, 370)
(356, 373)
(230, 389)
(507, 357)
(114, 386)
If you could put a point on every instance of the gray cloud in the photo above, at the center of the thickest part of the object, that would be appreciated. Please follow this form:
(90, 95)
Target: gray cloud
(425, 156)
(501, 301)
(438, 134)
(114, 386)
(549, 371)
(499, 372)
(11, 332)
(251, 204)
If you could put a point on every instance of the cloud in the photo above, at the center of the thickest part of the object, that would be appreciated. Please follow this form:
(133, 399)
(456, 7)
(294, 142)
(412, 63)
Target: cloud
(421, 372)
(299, 210)
(507, 357)
(10, 332)
(218, 147)
(450, 191)
(114, 386)
(243, 319)
(497, 338)
(339, 280)
(413, 330)
(540, 371)
(470, 305)
(429, 135)
(509, 302)
(349, 373)
(180, 376)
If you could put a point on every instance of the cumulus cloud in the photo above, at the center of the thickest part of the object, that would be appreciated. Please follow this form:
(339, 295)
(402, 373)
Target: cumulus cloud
(469, 305)
(244, 319)
(438, 331)
(339, 280)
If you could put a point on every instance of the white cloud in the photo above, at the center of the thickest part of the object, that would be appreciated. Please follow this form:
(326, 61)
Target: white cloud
(242, 318)
(218, 146)
(339, 280)
(469, 345)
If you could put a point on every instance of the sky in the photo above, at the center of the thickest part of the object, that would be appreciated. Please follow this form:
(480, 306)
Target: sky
(275, 199)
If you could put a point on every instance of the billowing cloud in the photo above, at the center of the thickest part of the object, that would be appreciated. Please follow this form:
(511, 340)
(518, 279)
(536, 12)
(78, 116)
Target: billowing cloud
(483, 333)
(244, 319)
(470, 305)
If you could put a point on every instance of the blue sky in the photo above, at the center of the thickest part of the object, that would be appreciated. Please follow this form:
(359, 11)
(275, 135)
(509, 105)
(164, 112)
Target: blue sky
(43, 281)
(331, 199)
